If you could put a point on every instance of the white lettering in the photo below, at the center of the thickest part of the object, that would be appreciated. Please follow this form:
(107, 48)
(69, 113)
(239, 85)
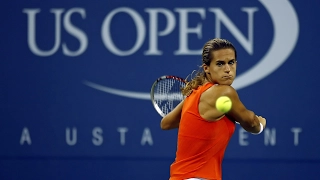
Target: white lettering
(73, 141)
(146, 137)
(153, 28)
(269, 137)
(296, 132)
(154, 32)
(97, 139)
(221, 17)
(76, 32)
(106, 34)
(243, 135)
(32, 31)
(122, 131)
(25, 136)
(185, 30)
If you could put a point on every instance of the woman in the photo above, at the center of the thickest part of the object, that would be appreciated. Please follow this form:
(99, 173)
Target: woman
(204, 132)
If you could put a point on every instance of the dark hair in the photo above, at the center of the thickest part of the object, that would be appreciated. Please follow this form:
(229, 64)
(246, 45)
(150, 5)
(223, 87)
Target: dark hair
(208, 48)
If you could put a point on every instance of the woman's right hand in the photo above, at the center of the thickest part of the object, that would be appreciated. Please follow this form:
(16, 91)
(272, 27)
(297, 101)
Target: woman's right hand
(263, 121)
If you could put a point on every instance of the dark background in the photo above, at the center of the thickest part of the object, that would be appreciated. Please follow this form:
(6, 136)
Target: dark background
(45, 97)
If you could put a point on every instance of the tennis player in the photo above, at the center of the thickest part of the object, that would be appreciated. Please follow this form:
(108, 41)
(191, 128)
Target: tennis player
(204, 132)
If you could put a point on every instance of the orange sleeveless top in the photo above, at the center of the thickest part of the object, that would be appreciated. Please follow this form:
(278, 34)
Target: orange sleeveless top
(201, 144)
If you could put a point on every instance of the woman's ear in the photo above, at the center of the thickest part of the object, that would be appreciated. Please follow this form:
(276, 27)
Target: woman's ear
(205, 68)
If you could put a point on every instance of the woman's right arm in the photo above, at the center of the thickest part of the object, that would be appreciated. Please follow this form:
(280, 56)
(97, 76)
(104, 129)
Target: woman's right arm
(172, 119)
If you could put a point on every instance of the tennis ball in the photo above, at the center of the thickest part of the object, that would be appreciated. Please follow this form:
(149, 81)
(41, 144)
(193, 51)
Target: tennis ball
(223, 104)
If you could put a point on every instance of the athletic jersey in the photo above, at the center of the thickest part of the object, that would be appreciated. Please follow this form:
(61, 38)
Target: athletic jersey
(201, 143)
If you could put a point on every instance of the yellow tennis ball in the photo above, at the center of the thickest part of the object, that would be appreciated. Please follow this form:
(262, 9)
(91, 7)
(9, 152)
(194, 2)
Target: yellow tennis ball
(223, 104)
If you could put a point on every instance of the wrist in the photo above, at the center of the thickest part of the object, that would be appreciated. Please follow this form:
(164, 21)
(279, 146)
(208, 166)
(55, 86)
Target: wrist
(261, 129)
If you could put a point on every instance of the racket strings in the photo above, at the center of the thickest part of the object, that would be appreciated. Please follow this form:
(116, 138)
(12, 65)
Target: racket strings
(168, 94)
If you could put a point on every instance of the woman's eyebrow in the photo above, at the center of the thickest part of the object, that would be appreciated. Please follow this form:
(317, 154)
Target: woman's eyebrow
(224, 60)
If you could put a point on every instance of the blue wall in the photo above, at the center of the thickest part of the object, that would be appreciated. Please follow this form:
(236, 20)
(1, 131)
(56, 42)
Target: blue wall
(76, 76)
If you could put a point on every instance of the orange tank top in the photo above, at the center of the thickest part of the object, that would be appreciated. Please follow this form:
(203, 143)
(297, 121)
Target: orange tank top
(201, 144)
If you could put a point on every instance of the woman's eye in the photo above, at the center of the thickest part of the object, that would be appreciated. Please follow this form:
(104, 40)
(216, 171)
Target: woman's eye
(231, 62)
(219, 64)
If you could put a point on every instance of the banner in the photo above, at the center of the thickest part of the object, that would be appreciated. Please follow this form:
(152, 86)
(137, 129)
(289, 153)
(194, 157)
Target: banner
(76, 76)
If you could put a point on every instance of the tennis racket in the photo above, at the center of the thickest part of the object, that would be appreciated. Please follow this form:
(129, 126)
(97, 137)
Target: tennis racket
(166, 93)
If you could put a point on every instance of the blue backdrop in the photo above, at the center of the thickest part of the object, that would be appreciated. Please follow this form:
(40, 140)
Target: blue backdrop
(76, 75)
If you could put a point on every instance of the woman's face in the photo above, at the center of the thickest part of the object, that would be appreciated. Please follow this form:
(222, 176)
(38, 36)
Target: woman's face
(223, 66)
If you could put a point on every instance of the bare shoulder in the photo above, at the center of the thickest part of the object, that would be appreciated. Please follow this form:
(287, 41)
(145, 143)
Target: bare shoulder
(224, 90)
(207, 104)
(213, 93)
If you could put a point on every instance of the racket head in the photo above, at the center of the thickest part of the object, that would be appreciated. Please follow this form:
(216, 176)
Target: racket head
(166, 93)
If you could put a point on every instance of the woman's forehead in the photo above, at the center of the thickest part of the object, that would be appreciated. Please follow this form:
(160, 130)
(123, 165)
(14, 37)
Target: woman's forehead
(223, 55)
